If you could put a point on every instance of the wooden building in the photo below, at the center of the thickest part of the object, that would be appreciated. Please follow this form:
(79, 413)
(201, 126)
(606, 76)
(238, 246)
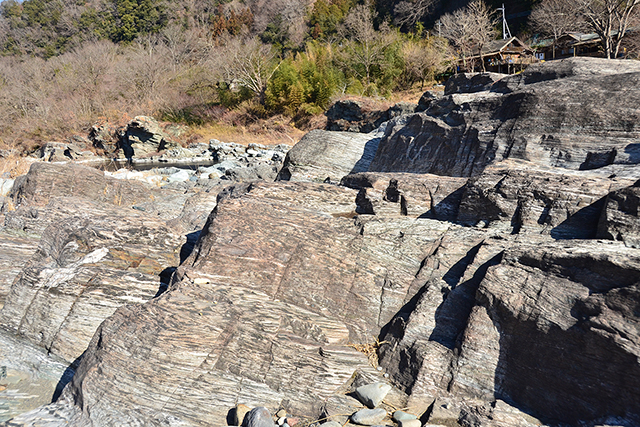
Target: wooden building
(503, 56)
(579, 44)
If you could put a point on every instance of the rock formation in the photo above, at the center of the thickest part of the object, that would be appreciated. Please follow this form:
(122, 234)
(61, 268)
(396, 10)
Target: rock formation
(482, 261)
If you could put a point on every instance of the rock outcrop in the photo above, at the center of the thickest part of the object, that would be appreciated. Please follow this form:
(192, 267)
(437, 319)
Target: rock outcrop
(359, 116)
(488, 275)
(144, 136)
(471, 82)
(323, 156)
(94, 254)
(620, 218)
(528, 117)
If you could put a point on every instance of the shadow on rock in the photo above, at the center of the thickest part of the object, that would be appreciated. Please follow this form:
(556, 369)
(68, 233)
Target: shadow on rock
(581, 225)
(447, 209)
(452, 315)
(66, 378)
(187, 248)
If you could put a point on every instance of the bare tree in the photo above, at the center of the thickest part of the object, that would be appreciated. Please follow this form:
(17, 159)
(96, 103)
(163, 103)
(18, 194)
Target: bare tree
(364, 48)
(423, 59)
(470, 28)
(251, 64)
(409, 12)
(556, 18)
(610, 19)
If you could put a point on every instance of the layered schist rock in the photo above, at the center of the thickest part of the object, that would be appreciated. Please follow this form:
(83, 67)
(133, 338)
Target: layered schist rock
(329, 156)
(86, 251)
(283, 278)
(620, 219)
(553, 114)
(506, 299)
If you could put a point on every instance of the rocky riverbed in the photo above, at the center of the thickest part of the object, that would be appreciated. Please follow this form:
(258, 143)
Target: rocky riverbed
(476, 259)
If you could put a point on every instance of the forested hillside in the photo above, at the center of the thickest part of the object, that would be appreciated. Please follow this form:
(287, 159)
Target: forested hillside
(67, 64)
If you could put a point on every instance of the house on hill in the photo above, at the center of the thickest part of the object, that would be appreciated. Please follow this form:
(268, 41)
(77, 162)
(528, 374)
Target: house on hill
(504, 56)
(577, 44)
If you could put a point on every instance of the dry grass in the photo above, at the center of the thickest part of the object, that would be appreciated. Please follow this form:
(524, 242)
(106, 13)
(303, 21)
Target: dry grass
(246, 135)
(14, 165)
(414, 94)
(370, 350)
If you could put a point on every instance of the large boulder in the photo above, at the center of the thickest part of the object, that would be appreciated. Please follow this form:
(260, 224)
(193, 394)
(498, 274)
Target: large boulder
(363, 115)
(328, 156)
(144, 136)
(471, 82)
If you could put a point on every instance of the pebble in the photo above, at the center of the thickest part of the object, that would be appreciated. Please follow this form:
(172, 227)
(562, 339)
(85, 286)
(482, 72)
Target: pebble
(331, 424)
(258, 417)
(281, 420)
(292, 421)
(369, 417)
(410, 423)
(372, 394)
(403, 416)
(281, 413)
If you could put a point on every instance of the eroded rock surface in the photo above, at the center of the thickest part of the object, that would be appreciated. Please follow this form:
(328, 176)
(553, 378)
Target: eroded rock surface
(553, 114)
(495, 273)
(328, 156)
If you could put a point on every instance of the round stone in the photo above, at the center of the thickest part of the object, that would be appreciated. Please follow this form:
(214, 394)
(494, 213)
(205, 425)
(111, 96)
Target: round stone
(258, 417)
(372, 394)
(410, 423)
(403, 416)
(369, 417)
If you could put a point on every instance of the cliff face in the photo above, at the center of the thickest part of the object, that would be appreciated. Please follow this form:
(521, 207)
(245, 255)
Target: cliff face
(549, 115)
(504, 293)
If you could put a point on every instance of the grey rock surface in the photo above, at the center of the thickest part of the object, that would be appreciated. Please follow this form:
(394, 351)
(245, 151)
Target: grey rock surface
(362, 115)
(619, 219)
(323, 155)
(258, 417)
(402, 416)
(509, 298)
(544, 116)
(144, 136)
(471, 82)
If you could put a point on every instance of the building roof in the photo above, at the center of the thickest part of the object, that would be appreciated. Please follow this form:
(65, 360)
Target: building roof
(500, 46)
